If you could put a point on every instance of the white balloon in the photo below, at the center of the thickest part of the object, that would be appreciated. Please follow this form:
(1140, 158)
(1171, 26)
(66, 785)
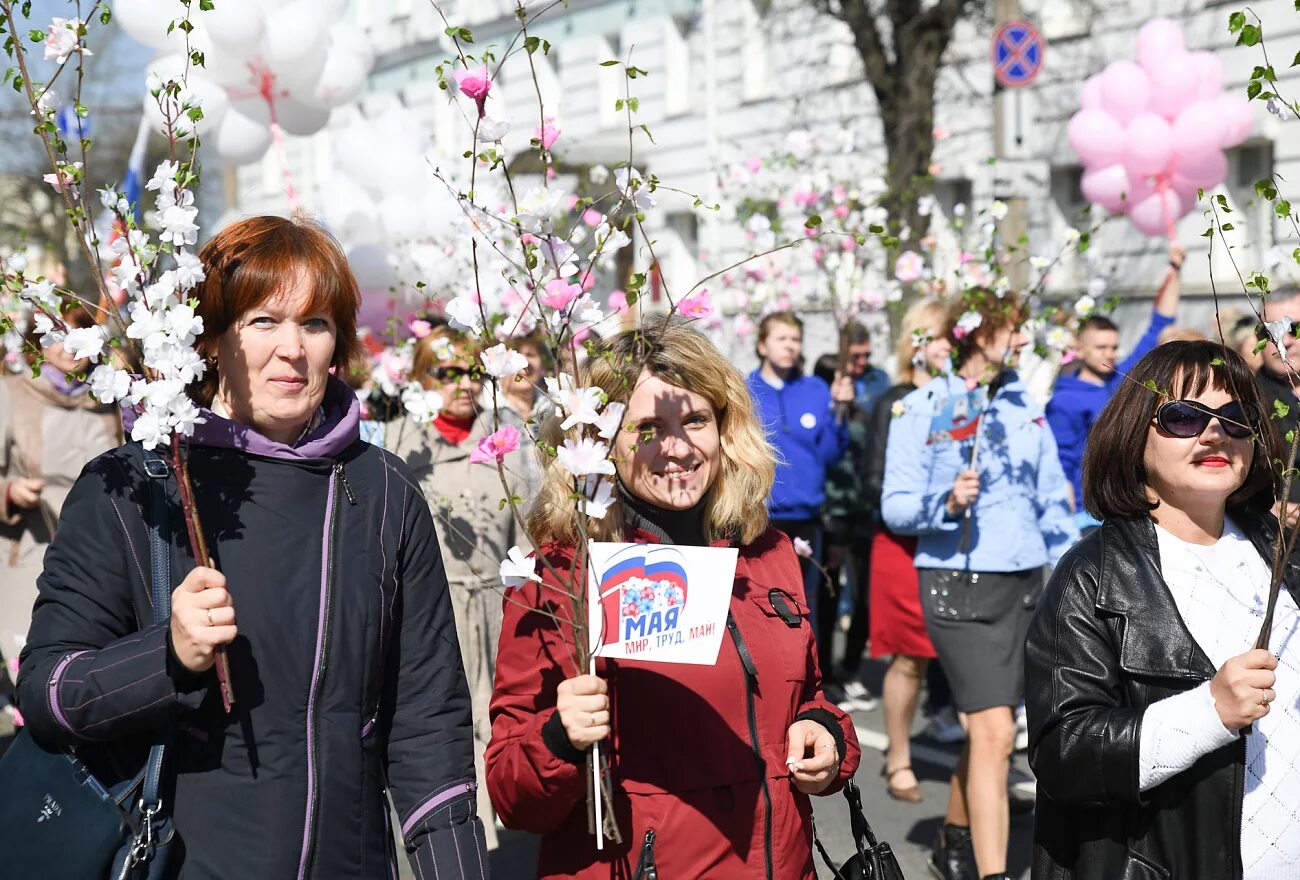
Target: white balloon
(348, 210)
(146, 20)
(353, 40)
(241, 140)
(235, 26)
(403, 217)
(341, 80)
(370, 265)
(294, 34)
(298, 118)
(302, 76)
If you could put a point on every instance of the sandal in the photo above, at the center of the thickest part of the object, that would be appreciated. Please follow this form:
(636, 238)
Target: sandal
(911, 795)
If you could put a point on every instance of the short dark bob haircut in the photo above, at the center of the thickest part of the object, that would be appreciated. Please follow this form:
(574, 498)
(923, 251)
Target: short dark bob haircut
(1114, 463)
(252, 261)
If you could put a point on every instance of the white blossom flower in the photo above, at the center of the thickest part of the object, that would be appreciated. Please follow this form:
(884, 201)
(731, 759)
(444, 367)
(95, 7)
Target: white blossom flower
(164, 176)
(634, 189)
(598, 496)
(598, 174)
(109, 385)
(1085, 306)
(464, 314)
(47, 102)
(42, 324)
(611, 420)
(803, 548)
(85, 342)
(61, 39)
(1275, 105)
(1277, 332)
(517, 569)
(42, 294)
(189, 270)
(153, 82)
(162, 292)
(491, 130)
(538, 208)
(178, 227)
(582, 406)
(183, 324)
(500, 361)
(610, 240)
(998, 211)
(1058, 338)
(967, 323)
(585, 456)
(422, 405)
(149, 430)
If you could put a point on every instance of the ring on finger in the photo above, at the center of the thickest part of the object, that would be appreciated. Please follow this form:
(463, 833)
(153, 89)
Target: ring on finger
(210, 623)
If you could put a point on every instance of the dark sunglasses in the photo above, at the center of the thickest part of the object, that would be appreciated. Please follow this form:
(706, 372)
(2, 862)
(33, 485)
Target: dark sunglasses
(1187, 418)
(450, 374)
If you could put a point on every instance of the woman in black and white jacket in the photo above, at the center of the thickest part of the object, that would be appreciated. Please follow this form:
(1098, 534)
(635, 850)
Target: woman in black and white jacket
(1140, 673)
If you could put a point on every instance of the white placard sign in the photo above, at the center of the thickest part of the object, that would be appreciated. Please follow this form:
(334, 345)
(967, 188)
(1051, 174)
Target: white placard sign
(660, 603)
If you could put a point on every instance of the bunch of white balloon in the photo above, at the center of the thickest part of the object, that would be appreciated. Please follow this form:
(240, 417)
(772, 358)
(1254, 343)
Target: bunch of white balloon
(269, 66)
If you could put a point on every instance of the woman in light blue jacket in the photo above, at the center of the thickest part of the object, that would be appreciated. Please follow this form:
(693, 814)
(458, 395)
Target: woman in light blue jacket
(972, 471)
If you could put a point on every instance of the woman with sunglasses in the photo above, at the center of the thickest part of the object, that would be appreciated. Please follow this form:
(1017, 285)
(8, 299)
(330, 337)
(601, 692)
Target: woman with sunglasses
(475, 530)
(1141, 676)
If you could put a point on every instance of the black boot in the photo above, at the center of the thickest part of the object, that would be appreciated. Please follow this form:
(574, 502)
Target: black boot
(952, 857)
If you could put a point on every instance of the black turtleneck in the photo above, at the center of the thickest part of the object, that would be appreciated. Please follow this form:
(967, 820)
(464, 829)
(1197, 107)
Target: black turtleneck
(669, 526)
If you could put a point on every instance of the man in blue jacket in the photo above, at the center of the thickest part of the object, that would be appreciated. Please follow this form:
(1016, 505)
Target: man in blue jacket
(1079, 398)
(800, 417)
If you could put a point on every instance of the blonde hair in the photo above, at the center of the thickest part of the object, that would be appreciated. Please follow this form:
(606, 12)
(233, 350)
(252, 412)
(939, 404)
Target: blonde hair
(425, 358)
(736, 503)
(925, 314)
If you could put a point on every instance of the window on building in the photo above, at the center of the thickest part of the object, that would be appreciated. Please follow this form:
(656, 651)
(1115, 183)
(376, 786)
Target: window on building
(1067, 194)
(756, 62)
(677, 65)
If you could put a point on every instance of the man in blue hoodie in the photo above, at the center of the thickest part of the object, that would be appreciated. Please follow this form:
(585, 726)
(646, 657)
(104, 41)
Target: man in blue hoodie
(800, 417)
(1079, 398)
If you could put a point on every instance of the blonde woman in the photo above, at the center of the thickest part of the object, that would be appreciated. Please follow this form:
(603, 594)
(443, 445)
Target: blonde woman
(713, 765)
(474, 529)
(897, 621)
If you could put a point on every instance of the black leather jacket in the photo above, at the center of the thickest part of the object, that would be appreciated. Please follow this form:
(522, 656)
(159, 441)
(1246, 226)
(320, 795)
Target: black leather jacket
(1106, 642)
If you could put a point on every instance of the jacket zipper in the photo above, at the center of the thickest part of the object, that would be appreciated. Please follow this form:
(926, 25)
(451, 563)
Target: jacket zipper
(751, 685)
(343, 480)
(318, 673)
(646, 869)
(53, 686)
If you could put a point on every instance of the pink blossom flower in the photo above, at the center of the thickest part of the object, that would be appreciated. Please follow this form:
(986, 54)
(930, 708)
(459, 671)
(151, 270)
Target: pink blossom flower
(802, 547)
(560, 294)
(548, 134)
(840, 211)
(754, 164)
(873, 301)
(475, 84)
(572, 202)
(592, 217)
(618, 301)
(1068, 357)
(529, 238)
(495, 446)
(743, 326)
(419, 328)
(939, 133)
(909, 267)
(697, 305)
(587, 280)
(838, 194)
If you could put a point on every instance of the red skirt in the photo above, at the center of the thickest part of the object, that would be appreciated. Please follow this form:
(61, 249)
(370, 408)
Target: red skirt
(897, 621)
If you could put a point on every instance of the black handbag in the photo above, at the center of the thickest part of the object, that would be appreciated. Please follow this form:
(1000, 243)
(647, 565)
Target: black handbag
(57, 819)
(874, 860)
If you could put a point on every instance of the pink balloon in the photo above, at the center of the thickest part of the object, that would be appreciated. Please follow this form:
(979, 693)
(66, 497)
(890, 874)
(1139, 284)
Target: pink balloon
(1187, 191)
(1096, 137)
(1148, 144)
(1209, 75)
(1236, 117)
(1090, 94)
(1106, 187)
(1205, 170)
(1173, 84)
(1125, 90)
(1199, 128)
(1158, 39)
(1156, 213)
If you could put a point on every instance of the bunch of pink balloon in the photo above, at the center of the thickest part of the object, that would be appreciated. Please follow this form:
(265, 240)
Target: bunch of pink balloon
(1152, 133)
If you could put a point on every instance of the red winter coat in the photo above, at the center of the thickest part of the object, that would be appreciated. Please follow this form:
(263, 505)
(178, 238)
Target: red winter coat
(684, 759)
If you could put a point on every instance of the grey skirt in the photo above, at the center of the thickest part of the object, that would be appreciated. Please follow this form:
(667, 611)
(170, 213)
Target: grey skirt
(978, 622)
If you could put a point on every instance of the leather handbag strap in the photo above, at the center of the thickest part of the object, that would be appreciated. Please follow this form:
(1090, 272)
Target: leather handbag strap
(160, 595)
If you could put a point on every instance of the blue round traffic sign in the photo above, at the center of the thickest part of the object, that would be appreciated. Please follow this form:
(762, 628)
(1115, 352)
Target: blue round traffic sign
(1017, 54)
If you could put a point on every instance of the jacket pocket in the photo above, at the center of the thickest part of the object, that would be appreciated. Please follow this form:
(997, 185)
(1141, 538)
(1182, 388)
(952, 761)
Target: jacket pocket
(785, 634)
(1138, 868)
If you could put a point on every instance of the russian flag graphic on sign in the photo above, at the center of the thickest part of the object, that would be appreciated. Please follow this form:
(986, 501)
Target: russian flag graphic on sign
(642, 593)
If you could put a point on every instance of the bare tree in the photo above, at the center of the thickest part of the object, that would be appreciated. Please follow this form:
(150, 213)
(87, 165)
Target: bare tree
(902, 44)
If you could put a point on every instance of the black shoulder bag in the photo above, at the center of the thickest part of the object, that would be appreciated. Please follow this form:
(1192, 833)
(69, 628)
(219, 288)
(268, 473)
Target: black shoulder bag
(875, 860)
(56, 818)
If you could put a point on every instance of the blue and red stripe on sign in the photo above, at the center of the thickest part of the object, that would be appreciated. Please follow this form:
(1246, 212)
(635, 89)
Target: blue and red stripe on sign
(1017, 54)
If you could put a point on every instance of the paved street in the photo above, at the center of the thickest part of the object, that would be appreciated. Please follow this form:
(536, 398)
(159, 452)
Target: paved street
(909, 828)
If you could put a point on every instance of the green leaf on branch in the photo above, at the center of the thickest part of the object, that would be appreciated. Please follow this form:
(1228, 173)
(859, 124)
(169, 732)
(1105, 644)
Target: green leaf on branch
(813, 221)
(1254, 88)
(1250, 35)
(1216, 362)
(459, 33)
(1280, 410)
(1282, 208)
(36, 36)
(531, 44)
(608, 63)
(1228, 227)
(1236, 22)
(206, 5)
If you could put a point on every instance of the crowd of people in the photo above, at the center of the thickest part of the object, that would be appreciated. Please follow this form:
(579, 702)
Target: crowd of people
(911, 515)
